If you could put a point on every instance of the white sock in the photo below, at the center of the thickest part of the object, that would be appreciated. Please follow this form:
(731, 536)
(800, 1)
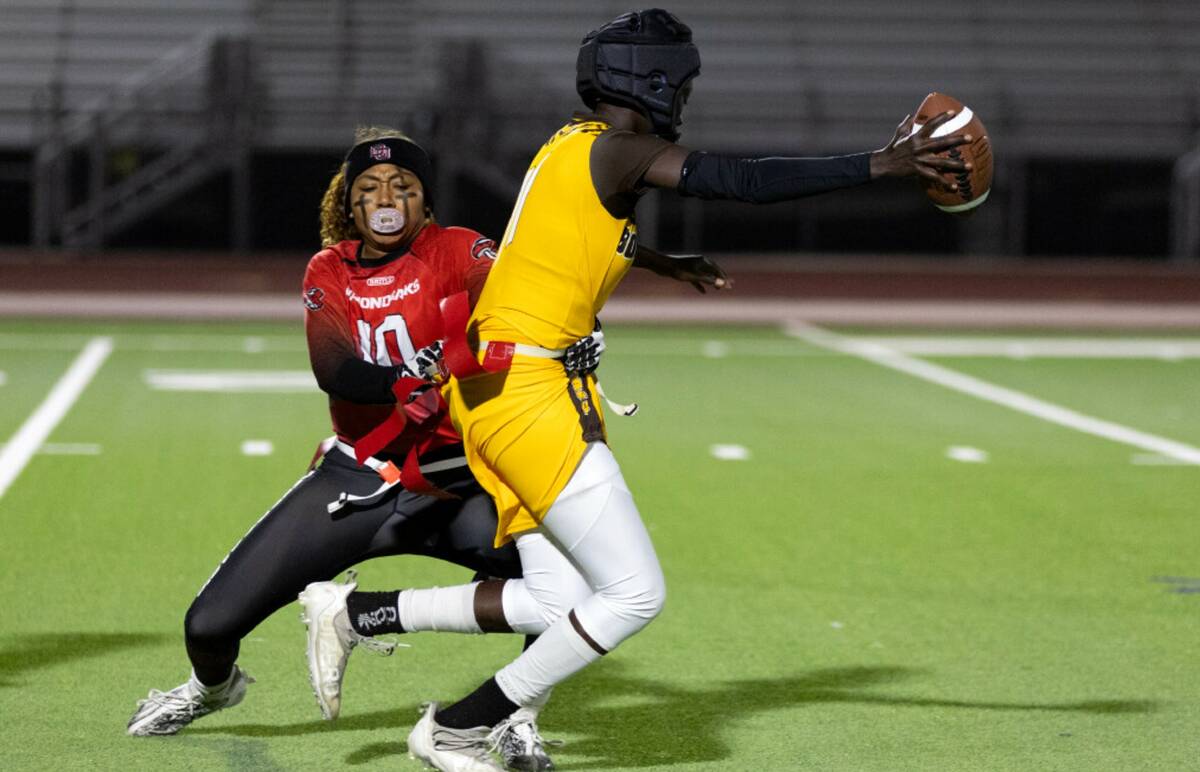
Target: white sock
(556, 655)
(440, 609)
(207, 691)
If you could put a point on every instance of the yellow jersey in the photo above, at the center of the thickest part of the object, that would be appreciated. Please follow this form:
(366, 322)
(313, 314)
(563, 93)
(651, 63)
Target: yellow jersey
(570, 240)
(564, 250)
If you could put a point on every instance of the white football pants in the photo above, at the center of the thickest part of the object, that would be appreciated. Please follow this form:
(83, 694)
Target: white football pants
(591, 580)
(603, 569)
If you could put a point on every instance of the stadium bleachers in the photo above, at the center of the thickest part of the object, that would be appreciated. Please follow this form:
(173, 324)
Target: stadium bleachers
(1052, 76)
(83, 48)
(1053, 79)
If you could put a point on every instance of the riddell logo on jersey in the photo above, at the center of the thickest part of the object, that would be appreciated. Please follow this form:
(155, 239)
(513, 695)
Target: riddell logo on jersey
(399, 293)
(380, 281)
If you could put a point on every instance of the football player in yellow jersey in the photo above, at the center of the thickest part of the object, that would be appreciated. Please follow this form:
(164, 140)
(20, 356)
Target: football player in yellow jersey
(531, 422)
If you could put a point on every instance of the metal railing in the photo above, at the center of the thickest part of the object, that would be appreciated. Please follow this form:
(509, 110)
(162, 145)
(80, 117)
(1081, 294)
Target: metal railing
(1185, 207)
(127, 152)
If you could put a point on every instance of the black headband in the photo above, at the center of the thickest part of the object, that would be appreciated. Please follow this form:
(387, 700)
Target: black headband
(389, 150)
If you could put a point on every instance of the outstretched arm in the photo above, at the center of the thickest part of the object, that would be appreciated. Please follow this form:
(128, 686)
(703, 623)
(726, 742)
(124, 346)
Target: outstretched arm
(768, 179)
(697, 269)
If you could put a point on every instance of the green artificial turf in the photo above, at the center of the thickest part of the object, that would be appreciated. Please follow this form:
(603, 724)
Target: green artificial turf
(847, 598)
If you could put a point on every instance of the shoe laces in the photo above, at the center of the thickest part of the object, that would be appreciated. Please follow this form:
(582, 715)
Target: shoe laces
(174, 699)
(475, 741)
(462, 741)
(521, 733)
(383, 648)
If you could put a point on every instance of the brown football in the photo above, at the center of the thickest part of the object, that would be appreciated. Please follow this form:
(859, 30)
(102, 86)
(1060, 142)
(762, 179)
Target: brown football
(973, 185)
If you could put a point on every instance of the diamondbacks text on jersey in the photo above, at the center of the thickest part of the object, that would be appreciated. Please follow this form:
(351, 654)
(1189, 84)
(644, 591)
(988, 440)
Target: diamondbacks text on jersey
(383, 311)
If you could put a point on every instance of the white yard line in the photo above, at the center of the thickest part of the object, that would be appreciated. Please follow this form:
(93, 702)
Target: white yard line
(990, 392)
(729, 452)
(71, 449)
(966, 454)
(257, 447)
(29, 438)
(231, 381)
(1051, 347)
(3, 377)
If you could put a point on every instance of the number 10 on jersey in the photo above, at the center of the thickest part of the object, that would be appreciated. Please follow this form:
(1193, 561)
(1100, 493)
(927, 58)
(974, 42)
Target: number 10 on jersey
(373, 344)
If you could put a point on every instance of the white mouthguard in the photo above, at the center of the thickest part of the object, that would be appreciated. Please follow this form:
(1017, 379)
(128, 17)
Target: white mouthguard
(387, 220)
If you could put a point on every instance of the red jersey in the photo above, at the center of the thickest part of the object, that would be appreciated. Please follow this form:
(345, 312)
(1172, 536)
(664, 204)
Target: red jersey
(382, 311)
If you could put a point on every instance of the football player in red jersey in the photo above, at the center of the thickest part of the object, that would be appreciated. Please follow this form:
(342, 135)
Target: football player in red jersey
(372, 318)
(372, 321)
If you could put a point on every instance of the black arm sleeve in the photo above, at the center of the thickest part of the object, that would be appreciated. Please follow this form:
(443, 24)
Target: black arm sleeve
(362, 382)
(764, 180)
(650, 259)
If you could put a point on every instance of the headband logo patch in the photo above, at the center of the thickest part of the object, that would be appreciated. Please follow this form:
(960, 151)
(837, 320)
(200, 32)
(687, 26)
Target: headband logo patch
(380, 152)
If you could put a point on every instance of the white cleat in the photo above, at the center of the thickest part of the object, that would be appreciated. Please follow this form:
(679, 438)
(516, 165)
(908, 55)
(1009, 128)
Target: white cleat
(165, 713)
(451, 750)
(331, 639)
(521, 745)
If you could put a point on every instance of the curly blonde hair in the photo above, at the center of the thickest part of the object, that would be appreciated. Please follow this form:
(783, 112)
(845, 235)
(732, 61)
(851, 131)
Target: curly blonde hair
(336, 225)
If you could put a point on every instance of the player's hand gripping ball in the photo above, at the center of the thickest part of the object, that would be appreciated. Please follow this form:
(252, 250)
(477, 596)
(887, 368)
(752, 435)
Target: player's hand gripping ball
(973, 184)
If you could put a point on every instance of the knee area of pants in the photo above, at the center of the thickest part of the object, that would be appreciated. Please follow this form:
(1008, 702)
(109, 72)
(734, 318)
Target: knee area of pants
(201, 626)
(650, 603)
(642, 603)
(549, 609)
(660, 598)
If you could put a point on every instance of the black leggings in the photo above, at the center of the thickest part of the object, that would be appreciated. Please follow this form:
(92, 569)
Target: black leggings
(298, 542)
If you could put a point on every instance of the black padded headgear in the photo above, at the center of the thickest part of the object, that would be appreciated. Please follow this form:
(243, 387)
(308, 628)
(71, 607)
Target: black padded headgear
(389, 150)
(641, 60)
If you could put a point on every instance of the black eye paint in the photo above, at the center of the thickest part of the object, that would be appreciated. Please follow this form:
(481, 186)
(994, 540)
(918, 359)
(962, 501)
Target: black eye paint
(405, 195)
